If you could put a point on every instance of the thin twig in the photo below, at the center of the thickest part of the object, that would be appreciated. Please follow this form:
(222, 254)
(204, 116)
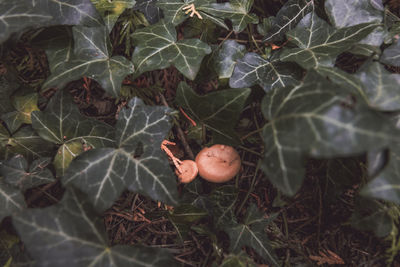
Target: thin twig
(181, 135)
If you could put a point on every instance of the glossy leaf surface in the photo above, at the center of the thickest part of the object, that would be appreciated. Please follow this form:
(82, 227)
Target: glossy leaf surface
(72, 234)
(137, 163)
(11, 200)
(157, 48)
(391, 55)
(225, 58)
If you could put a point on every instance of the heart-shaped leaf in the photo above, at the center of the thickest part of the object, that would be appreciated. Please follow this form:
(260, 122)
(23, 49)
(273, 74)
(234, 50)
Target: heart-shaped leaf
(61, 123)
(19, 15)
(391, 55)
(253, 69)
(225, 58)
(72, 234)
(158, 48)
(91, 58)
(218, 111)
(110, 10)
(137, 163)
(319, 43)
(316, 118)
(24, 105)
(16, 172)
(149, 9)
(287, 18)
(25, 141)
(11, 200)
(251, 233)
(386, 185)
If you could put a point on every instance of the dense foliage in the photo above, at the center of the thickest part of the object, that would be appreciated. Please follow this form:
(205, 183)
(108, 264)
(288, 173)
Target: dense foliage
(284, 64)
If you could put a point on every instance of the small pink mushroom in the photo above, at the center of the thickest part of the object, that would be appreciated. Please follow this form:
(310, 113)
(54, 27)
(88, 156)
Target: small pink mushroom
(189, 171)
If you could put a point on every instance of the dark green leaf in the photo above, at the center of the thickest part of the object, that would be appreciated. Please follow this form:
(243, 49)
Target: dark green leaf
(221, 205)
(71, 234)
(137, 164)
(11, 200)
(269, 74)
(25, 141)
(158, 48)
(8, 84)
(237, 11)
(19, 15)
(225, 58)
(218, 111)
(110, 10)
(149, 9)
(61, 123)
(372, 215)
(287, 18)
(238, 260)
(251, 233)
(319, 119)
(386, 185)
(391, 55)
(204, 30)
(17, 173)
(319, 43)
(91, 58)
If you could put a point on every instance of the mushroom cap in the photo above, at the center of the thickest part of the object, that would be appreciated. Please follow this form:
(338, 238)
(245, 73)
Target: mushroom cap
(218, 163)
(189, 171)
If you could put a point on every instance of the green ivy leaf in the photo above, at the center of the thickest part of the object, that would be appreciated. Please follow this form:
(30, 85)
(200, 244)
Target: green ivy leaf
(251, 233)
(91, 58)
(319, 43)
(16, 172)
(24, 105)
(110, 10)
(237, 11)
(11, 200)
(218, 111)
(8, 84)
(342, 14)
(253, 69)
(238, 260)
(221, 205)
(287, 18)
(386, 185)
(25, 141)
(316, 118)
(137, 163)
(391, 55)
(158, 48)
(149, 9)
(225, 58)
(19, 15)
(61, 123)
(70, 233)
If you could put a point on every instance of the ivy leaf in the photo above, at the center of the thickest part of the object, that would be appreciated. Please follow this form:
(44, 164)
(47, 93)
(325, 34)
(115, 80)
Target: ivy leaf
(110, 10)
(19, 15)
(343, 14)
(238, 260)
(25, 141)
(319, 43)
(287, 18)
(221, 205)
(316, 118)
(61, 123)
(253, 69)
(251, 233)
(8, 84)
(149, 9)
(11, 200)
(237, 11)
(24, 105)
(158, 48)
(218, 111)
(386, 185)
(137, 163)
(225, 58)
(16, 172)
(71, 230)
(380, 86)
(91, 58)
(391, 55)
